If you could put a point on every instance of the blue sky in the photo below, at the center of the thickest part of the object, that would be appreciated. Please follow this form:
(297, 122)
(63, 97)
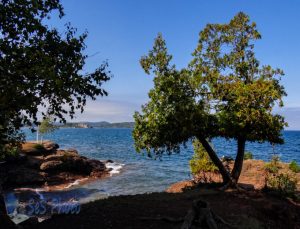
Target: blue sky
(122, 31)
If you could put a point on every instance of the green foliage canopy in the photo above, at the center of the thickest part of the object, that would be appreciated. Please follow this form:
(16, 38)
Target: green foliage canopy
(240, 91)
(294, 166)
(172, 113)
(41, 67)
(223, 92)
(46, 126)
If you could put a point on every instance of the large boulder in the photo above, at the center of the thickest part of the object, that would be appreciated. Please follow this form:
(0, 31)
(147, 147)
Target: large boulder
(53, 157)
(72, 151)
(65, 161)
(52, 166)
(34, 162)
(38, 149)
(79, 165)
(32, 149)
(50, 146)
(69, 152)
(96, 165)
(25, 176)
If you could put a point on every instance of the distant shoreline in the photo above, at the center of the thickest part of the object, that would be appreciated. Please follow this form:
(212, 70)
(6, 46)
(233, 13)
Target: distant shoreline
(67, 127)
(87, 125)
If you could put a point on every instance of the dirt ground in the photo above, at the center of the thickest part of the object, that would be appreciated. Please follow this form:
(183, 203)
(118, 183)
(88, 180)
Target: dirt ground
(251, 208)
(239, 209)
(253, 176)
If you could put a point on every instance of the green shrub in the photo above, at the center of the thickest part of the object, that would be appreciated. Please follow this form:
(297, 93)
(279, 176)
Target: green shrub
(38, 146)
(201, 162)
(248, 155)
(227, 159)
(284, 184)
(273, 166)
(9, 152)
(294, 166)
(66, 156)
(13, 151)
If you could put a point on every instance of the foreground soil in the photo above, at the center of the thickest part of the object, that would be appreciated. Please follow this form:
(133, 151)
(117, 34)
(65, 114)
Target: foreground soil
(240, 209)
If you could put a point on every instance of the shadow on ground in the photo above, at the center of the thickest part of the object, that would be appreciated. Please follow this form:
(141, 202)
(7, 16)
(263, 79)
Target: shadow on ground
(239, 209)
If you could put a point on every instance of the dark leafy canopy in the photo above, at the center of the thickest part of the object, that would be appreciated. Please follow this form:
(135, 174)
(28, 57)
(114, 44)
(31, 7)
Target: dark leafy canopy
(40, 67)
(169, 117)
(223, 92)
(230, 78)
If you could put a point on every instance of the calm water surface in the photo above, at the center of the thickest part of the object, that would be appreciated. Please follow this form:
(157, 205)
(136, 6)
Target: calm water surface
(141, 174)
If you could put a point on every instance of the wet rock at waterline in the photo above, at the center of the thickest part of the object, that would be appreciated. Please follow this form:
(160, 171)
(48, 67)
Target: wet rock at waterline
(45, 164)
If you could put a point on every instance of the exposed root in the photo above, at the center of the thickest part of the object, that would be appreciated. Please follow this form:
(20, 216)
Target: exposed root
(200, 215)
(233, 185)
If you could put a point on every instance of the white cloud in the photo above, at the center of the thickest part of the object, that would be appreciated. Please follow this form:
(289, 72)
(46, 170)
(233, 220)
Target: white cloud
(107, 110)
(292, 116)
(104, 109)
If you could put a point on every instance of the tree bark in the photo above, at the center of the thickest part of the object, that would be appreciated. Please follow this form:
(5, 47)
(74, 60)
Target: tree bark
(202, 216)
(216, 160)
(5, 221)
(238, 163)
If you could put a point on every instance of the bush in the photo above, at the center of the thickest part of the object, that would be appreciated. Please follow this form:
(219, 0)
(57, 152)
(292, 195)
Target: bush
(273, 166)
(10, 152)
(227, 159)
(294, 166)
(13, 151)
(200, 162)
(38, 147)
(66, 156)
(248, 155)
(284, 184)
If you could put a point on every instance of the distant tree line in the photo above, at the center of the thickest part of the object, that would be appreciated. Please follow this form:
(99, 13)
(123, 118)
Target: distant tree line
(97, 125)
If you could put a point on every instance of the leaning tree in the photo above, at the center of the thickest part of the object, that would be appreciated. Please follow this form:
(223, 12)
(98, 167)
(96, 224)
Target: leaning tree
(223, 92)
(41, 68)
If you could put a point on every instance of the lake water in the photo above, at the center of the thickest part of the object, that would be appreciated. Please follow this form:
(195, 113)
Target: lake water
(141, 174)
(137, 173)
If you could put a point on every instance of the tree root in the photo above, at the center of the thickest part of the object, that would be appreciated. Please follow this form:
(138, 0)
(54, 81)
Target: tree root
(233, 185)
(201, 216)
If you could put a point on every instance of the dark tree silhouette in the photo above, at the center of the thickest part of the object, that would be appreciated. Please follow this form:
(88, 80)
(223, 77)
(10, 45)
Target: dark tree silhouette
(40, 67)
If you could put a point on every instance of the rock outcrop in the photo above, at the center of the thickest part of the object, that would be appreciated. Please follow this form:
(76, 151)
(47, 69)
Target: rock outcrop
(35, 149)
(45, 163)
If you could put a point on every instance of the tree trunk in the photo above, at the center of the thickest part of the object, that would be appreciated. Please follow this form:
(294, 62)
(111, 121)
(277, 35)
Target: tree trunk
(238, 163)
(37, 135)
(5, 221)
(216, 160)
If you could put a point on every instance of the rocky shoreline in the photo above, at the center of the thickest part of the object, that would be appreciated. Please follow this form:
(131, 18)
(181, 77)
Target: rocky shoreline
(46, 166)
(253, 177)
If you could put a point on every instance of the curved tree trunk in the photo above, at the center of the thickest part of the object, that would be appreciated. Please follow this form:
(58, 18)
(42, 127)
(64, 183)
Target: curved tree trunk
(238, 163)
(216, 160)
(5, 221)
